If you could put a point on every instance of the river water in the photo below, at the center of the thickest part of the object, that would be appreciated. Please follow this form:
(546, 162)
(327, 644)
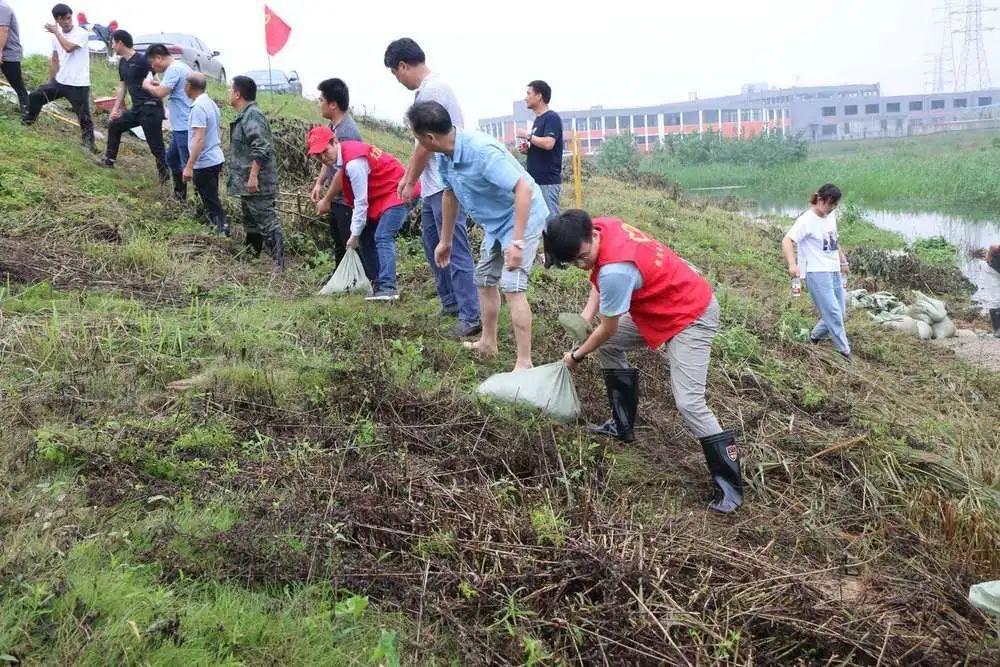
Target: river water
(965, 233)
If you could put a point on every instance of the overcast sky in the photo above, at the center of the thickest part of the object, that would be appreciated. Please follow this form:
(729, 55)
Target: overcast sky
(606, 53)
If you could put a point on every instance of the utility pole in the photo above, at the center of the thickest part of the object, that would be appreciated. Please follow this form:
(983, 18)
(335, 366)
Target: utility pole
(973, 63)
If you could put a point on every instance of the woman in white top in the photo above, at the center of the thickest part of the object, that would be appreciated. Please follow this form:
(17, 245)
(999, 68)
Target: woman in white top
(812, 250)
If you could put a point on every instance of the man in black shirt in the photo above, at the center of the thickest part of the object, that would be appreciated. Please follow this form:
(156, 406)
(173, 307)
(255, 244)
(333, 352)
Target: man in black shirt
(146, 111)
(544, 144)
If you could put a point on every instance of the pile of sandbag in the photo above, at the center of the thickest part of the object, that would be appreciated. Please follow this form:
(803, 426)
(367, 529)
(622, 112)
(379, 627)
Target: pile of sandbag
(925, 319)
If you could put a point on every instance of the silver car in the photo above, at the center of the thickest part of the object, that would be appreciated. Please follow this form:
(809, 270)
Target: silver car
(188, 49)
(276, 81)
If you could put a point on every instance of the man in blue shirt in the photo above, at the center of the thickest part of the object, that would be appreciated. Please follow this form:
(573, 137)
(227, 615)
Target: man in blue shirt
(206, 157)
(173, 74)
(544, 144)
(480, 175)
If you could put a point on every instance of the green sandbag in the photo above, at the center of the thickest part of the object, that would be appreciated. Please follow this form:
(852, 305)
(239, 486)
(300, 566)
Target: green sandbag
(575, 326)
(549, 388)
(349, 277)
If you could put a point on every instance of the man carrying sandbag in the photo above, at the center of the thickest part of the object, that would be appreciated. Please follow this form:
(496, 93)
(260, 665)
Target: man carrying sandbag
(368, 177)
(991, 256)
(647, 294)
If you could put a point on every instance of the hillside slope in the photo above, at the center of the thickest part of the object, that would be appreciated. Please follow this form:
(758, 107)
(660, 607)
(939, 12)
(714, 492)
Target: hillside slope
(204, 463)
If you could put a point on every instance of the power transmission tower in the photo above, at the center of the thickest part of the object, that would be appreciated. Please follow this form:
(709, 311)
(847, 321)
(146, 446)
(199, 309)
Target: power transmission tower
(973, 62)
(942, 75)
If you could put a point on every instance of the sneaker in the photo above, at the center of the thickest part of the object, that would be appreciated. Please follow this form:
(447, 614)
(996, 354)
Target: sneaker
(105, 162)
(387, 295)
(466, 329)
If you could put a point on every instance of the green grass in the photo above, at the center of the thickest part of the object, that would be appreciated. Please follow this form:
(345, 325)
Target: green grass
(956, 172)
(322, 487)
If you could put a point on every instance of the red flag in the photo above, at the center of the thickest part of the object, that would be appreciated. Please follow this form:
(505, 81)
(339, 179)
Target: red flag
(276, 31)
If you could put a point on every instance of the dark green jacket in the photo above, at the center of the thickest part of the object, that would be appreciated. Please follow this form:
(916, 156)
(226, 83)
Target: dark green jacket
(250, 139)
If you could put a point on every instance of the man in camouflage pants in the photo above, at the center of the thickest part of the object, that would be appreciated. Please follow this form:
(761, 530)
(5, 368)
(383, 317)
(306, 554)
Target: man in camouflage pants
(253, 172)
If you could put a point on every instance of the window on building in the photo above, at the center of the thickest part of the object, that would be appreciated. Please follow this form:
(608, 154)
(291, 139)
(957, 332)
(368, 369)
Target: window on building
(871, 108)
(847, 128)
(885, 126)
(595, 124)
(960, 102)
(671, 119)
(639, 121)
(581, 124)
(690, 117)
(640, 140)
(985, 101)
(729, 115)
(623, 123)
(851, 110)
(916, 106)
(829, 111)
(829, 130)
(892, 107)
(595, 144)
(566, 124)
(937, 104)
(609, 123)
(711, 116)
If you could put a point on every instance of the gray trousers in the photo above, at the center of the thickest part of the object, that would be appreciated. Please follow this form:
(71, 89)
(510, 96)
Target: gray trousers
(687, 354)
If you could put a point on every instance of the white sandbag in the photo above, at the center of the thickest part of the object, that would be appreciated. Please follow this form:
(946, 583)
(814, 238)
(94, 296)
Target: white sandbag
(966, 333)
(919, 314)
(986, 596)
(944, 329)
(549, 388)
(924, 330)
(903, 323)
(349, 277)
(934, 308)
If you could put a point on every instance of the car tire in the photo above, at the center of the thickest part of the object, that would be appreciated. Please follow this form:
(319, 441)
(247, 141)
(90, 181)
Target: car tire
(197, 66)
(222, 75)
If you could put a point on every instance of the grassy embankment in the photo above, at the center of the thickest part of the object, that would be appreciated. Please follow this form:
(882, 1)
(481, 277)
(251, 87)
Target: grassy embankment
(956, 172)
(203, 463)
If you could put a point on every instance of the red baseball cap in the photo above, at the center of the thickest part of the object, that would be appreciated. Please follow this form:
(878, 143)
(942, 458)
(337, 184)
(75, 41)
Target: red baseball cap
(318, 139)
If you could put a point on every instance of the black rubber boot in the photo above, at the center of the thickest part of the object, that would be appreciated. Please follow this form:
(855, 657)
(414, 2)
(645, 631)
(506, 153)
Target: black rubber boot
(995, 321)
(180, 187)
(724, 464)
(623, 395)
(90, 146)
(255, 242)
(276, 244)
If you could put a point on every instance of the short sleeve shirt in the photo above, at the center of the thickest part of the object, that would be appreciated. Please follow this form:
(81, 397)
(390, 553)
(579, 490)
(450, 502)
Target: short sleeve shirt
(132, 73)
(433, 89)
(482, 173)
(205, 113)
(816, 242)
(12, 51)
(546, 166)
(616, 282)
(74, 66)
(178, 103)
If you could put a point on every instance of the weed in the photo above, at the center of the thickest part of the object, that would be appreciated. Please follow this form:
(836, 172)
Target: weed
(549, 526)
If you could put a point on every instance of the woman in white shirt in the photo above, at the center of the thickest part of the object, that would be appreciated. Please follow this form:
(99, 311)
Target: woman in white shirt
(812, 250)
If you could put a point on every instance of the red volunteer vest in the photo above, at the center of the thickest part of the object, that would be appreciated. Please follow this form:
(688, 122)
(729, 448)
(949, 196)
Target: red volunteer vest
(672, 295)
(385, 172)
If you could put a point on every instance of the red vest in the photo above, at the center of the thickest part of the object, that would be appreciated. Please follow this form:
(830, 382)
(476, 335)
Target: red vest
(672, 296)
(385, 172)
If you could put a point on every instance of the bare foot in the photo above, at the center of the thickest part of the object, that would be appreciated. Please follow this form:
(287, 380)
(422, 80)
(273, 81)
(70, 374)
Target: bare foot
(480, 348)
(519, 366)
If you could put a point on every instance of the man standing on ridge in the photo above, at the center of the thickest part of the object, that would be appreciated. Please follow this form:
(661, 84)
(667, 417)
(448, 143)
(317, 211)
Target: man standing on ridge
(479, 174)
(544, 144)
(369, 178)
(253, 170)
(334, 105)
(173, 76)
(146, 111)
(69, 74)
(455, 283)
(206, 157)
(11, 54)
(648, 296)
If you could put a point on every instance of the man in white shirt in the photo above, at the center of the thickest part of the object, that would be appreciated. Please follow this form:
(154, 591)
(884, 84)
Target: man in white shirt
(69, 71)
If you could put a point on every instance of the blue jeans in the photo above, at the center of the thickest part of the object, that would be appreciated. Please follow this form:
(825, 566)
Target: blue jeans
(551, 195)
(177, 152)
(455, 284)
(831, 301)
(385, 246)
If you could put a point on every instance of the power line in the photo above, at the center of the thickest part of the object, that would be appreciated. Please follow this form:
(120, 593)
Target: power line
(973, 63)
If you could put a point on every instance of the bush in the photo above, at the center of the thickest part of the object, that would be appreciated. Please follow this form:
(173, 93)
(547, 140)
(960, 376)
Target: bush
(618, 154)
(765, 150)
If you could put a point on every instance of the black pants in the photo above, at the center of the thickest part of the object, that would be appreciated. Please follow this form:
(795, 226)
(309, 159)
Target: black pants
(340, 228)
(12, 72)
(206, 182)
(79, 99)
(150, 118)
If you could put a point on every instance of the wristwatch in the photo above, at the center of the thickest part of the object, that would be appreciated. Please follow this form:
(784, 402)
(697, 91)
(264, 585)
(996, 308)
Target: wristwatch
(518, 243)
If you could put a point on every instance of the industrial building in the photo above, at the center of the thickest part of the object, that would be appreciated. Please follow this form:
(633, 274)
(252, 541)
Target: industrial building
(818, 113)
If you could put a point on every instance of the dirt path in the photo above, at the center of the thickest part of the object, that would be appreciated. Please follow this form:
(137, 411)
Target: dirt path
(982, 350)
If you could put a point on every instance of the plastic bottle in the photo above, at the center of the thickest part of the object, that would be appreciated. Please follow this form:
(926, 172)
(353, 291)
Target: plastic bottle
(796, 287)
